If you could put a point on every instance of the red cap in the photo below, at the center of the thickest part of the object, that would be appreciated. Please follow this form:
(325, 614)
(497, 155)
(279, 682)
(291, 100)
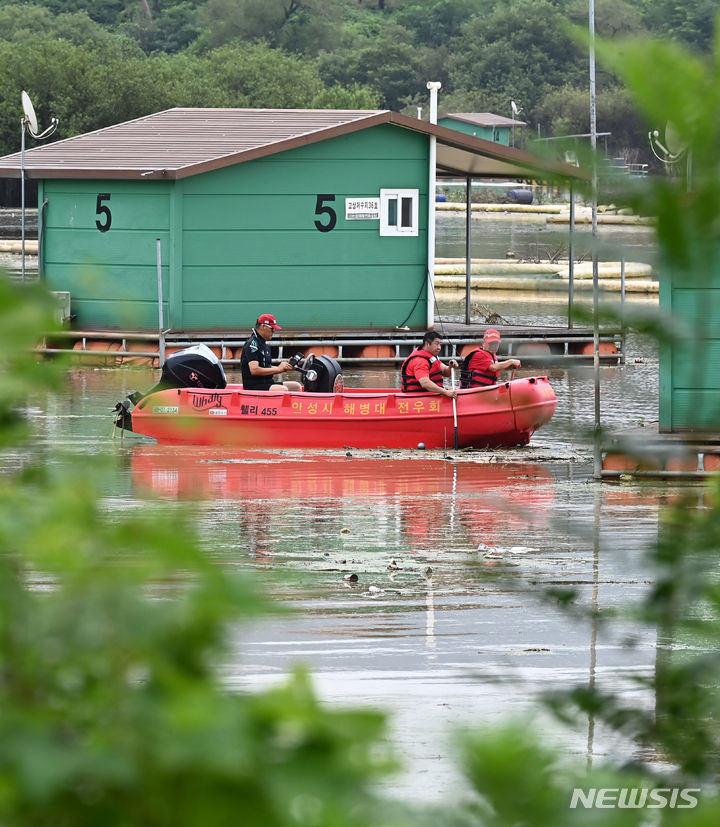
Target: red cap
(491, 335)
(268, 319)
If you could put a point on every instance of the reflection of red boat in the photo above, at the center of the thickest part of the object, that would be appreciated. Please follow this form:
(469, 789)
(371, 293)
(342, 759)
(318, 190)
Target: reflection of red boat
(499, 415)
(485, 498)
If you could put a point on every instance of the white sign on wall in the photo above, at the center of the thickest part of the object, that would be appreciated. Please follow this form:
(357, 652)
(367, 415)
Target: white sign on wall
(362, 209)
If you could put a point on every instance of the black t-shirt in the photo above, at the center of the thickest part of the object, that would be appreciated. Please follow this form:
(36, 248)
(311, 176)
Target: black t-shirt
(256, 349)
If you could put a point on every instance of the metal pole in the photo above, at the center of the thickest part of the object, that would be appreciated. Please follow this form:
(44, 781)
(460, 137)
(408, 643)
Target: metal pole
(571, 259)
(597, 458)
(433, 86)
(622, 306)
(22, 198)
(468, 247)
(161, 336)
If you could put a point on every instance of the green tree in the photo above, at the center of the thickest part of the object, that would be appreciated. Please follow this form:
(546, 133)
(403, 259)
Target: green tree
(296, 24)
(520, 52)
(257, 75)
(169, 28)
(689, 23)
(613, 18)
(338, 97)
(105, 12)
(391, 65)
(435, 22)
(566, 111)
(29, 23)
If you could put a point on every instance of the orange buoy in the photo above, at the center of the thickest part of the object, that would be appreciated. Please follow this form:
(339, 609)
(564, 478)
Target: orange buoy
(618, 461)
(377, 352)
(711, 462)
(172, 349)
(100, 351)
(532, 348)
(687, 462)
(322, 350)
(140, 361)
(588, 348)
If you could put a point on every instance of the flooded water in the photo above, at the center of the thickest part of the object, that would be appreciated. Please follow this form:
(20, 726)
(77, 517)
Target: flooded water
(417, 579)
(532, 237)
(445, 625)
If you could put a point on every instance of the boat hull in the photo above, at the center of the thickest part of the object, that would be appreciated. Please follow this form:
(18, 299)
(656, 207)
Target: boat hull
(500, 415)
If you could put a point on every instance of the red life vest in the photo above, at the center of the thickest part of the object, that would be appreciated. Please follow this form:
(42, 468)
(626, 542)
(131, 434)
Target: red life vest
(409, 382)
(470, 378)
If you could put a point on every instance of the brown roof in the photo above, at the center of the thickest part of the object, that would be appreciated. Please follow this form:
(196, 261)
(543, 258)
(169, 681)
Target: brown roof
(484, 119)
(179, 143)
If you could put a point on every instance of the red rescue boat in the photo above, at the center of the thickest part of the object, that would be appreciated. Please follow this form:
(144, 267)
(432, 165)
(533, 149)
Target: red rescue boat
(499, 415)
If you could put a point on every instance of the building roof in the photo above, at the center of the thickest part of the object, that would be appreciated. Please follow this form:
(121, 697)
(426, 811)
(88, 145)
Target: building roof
(178, 143)
(486, 119)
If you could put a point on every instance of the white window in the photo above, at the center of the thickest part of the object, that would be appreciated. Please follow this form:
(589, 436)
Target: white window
(399, 212)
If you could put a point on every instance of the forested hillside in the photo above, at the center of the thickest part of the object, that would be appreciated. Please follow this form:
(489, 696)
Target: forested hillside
(92, 63)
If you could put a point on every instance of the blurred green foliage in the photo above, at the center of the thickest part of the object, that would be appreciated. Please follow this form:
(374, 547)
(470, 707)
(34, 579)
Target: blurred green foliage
(114, 631)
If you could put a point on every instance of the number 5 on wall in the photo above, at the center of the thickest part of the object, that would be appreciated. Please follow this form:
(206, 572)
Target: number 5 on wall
(322, 208)
(103, 211)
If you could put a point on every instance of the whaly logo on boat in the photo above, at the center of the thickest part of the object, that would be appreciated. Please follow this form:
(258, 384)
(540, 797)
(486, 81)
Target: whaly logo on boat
(206, 400)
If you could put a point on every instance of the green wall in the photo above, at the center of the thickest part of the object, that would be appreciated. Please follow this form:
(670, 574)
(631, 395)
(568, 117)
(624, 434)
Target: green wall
(111, 273)
(690, 360)
(243, 240)
(499, 134)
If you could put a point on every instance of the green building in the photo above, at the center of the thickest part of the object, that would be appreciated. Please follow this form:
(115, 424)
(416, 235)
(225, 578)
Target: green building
(483, 125)
(320, 216)
(689, 379)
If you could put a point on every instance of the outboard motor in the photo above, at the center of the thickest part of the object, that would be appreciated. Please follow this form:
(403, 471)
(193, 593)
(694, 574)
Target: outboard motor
(328, 375)
(193, 367)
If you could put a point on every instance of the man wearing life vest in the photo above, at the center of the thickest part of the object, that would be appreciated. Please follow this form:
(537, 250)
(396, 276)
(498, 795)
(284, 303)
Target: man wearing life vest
(423, 370)
(481, 367)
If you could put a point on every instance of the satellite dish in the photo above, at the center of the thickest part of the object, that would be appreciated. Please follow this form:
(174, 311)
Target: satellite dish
(29, 111)
(675, 144)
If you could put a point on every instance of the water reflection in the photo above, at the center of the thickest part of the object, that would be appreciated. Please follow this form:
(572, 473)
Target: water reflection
(423, 504)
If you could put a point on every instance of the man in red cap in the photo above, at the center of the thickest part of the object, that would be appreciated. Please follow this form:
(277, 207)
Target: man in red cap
(480, 366)
(256, 363)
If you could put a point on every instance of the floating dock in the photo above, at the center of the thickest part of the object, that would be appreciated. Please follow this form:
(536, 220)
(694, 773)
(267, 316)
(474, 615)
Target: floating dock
(637, 453)
(535, 346)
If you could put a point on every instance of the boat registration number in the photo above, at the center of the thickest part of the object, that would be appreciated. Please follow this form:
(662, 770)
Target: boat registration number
(165, 409)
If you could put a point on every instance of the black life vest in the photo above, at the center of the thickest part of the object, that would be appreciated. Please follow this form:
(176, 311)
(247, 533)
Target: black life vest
(409, 382)
(475, 378)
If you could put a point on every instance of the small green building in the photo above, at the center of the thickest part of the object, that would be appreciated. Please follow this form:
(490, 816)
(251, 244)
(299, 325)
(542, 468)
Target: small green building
(320, 216)
(689, 365)
(482, 125)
